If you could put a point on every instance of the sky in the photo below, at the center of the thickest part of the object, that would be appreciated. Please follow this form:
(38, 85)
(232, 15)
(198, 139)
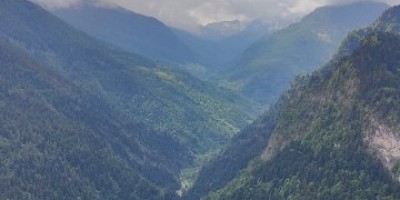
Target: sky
(189, 14)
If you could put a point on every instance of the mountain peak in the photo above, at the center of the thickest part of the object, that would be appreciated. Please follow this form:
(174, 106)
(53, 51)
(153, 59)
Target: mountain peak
(223, 29)
(339, 11)
(389, 20)
(265, 69)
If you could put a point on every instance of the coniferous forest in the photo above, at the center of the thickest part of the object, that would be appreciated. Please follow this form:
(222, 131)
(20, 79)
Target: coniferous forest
(100, 101)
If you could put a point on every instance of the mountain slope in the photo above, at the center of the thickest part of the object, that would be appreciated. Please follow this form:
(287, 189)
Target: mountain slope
(59, 142)
(121, 127)
(130, 83)
(333, 135)
(266, 68)
(216, 53)
(131, 31)
(345, 146)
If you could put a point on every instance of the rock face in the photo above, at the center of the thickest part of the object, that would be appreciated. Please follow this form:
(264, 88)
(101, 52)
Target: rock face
(384, 140)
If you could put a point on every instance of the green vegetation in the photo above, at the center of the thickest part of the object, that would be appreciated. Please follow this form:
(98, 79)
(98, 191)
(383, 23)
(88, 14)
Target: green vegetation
(326, 173)
(84, 120)
(128, 30)
(56, 144)
(266, 68)
(329, 159)
(314, 143)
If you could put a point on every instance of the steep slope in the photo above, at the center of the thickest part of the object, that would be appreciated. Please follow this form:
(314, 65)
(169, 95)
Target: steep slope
(346, 145)
(266, 68)
(131, 31)
(169, 100)
(121, 127)
(334, 135)
(60, 142)
(387, 22)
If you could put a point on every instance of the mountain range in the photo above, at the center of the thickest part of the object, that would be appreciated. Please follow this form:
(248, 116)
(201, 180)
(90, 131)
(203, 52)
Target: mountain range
(126, 29)
(105, 105)
(333, 135)
(83, 119)
(266, 68)
(201, 54)
(219, 44)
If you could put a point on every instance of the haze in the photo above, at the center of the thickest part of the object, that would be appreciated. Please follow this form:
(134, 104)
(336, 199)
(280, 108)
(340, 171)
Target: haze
(189, 14)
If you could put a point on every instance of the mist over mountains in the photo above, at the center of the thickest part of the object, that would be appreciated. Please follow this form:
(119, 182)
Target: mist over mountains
(128, 30)
(202, 55)
(328, 136)
(265, 68)
(100, 102)
(105, 115)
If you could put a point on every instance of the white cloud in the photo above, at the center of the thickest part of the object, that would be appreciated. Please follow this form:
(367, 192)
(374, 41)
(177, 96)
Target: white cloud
(56, 3)
(188, 14)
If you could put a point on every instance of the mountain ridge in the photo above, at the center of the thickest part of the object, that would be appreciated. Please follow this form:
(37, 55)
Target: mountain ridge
(218, 52)
(345, 134)
(116, 125)
(266, 68)
(131, 31)
(347, 106)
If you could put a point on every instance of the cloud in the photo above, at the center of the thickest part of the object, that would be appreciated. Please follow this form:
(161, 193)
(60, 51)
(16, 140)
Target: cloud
(189, 14)
(56, 3)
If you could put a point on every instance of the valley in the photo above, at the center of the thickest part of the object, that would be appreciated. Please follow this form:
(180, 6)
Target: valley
(98, 101)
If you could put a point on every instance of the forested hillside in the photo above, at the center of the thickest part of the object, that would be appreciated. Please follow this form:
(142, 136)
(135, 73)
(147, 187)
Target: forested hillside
(217, 49)
(82, 119)
(131, 31)
(267, 67)
(335, 138)
(59, 142)
(332, 135)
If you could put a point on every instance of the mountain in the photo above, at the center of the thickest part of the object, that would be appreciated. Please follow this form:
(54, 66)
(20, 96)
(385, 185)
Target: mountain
(267, 66)
(202, 56)
(175, 49)
(59, 142)
(333, 135)
(387, 22)
(219, 30)
(131, 31)
(218, 44)
(85, 120)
